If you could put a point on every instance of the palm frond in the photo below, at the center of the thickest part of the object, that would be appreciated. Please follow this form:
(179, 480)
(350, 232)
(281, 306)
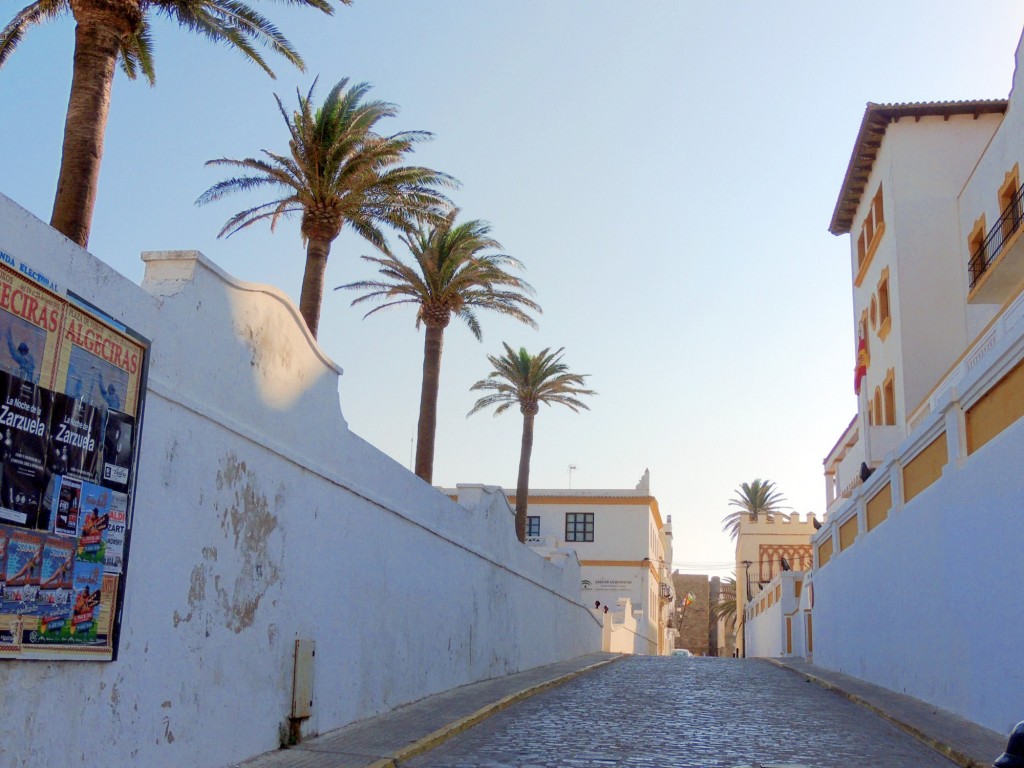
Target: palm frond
(32, 14)
(452, 271)
(528, 380)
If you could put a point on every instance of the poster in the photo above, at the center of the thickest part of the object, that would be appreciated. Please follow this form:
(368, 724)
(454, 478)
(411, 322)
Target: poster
(118, 445)
(24, 415)
(117, 527)
(22, 572)
(65, 501)
(70, 406)
(76, 438)
(98, 364)
(88, 582)
(30, 321)
(93, 523)
(55, 579)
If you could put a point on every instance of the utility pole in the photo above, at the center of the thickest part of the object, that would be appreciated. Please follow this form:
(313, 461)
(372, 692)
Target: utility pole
(743, 614)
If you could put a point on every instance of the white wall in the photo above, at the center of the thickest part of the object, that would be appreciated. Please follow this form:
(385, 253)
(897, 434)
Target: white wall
(626, 532)
(928, 603)
(766, 632)
(260, 519)
(933, 160)
(624, 630)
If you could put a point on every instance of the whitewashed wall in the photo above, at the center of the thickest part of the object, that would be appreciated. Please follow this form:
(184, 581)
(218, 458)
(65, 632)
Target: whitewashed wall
(928, 603)
(766, 632)
(260, 519)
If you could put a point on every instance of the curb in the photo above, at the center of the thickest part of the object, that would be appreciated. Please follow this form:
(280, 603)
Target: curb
(942, 748)
(441, 735)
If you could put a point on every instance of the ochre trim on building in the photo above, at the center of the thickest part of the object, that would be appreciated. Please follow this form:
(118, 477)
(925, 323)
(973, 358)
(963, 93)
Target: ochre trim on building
(824, 552)
(925, 468)
(997, 409)
(863, 268)
(878, 507)
(971, 348)
(848, 533)
(626, 564)
(614, 501)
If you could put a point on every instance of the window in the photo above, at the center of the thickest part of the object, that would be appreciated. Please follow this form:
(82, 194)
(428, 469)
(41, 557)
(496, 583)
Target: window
(870, 233)
(579, 526)
(533, 526)
(977, 250)
(884, 323)
(889, 395)
(877, 406)
(1010, 204)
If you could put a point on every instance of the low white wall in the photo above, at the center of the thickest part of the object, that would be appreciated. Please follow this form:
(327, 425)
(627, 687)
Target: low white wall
(928, 603)
(260, 519)
(766, 632)
(624, 632)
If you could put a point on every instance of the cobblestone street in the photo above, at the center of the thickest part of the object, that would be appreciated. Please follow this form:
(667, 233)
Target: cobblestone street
(683, 713)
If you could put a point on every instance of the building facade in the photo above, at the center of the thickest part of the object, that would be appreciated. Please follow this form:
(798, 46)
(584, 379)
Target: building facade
(691, 614)
(766, 546)
(917, 565)
(624, 547)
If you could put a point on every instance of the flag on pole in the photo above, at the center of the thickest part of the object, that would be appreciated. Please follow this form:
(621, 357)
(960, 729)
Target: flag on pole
(860, 370)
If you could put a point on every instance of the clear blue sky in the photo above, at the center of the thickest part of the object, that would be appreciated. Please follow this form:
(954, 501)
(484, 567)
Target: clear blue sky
(666, 170)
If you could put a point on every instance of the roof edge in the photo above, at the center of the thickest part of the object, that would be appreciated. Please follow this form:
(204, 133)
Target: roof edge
(869, 140)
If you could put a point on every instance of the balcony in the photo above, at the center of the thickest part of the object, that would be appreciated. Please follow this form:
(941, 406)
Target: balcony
(997, 264)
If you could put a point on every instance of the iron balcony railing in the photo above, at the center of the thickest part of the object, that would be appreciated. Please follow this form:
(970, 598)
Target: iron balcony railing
(1008, 223)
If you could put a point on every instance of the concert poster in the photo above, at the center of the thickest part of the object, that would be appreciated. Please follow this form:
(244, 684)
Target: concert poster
(24, 416)
(22, 572)
(76, 438)
(30, 318)
(98, 364)
(70, 395)
(94, 523)
(117, 528)
(65, 505)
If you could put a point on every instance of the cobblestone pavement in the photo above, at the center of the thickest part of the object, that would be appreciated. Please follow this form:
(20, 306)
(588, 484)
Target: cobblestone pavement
(658, 712)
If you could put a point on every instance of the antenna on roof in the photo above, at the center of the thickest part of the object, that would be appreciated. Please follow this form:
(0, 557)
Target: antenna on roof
(572, 468)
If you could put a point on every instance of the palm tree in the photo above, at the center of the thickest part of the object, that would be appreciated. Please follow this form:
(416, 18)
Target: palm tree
(726, 606)
(338, 171)
(752, 499)
(456, 272)
(109, 32)
(529, 380)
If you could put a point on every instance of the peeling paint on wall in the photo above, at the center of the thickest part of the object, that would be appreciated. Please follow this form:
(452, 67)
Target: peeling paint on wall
(248, 521)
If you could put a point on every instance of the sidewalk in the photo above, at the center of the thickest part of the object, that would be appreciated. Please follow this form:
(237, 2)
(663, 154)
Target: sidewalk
(965, 743)
(407, 731)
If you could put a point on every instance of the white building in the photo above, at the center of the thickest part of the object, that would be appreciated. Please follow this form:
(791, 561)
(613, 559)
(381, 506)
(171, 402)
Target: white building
(625, 554)
(918, 564)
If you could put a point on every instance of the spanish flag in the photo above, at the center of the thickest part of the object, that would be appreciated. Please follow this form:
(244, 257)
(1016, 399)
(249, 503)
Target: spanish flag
(860, 370)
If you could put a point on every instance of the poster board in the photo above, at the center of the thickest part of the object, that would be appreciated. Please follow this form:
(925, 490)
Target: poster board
(71, 384)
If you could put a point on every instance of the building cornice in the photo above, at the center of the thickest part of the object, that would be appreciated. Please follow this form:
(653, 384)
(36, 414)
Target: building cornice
(873, 125)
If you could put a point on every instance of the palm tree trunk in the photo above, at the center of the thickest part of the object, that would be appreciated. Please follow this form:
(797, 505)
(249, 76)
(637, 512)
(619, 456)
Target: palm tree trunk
(523, 483)
(312, 296)
(426, 430)
(96, 47)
